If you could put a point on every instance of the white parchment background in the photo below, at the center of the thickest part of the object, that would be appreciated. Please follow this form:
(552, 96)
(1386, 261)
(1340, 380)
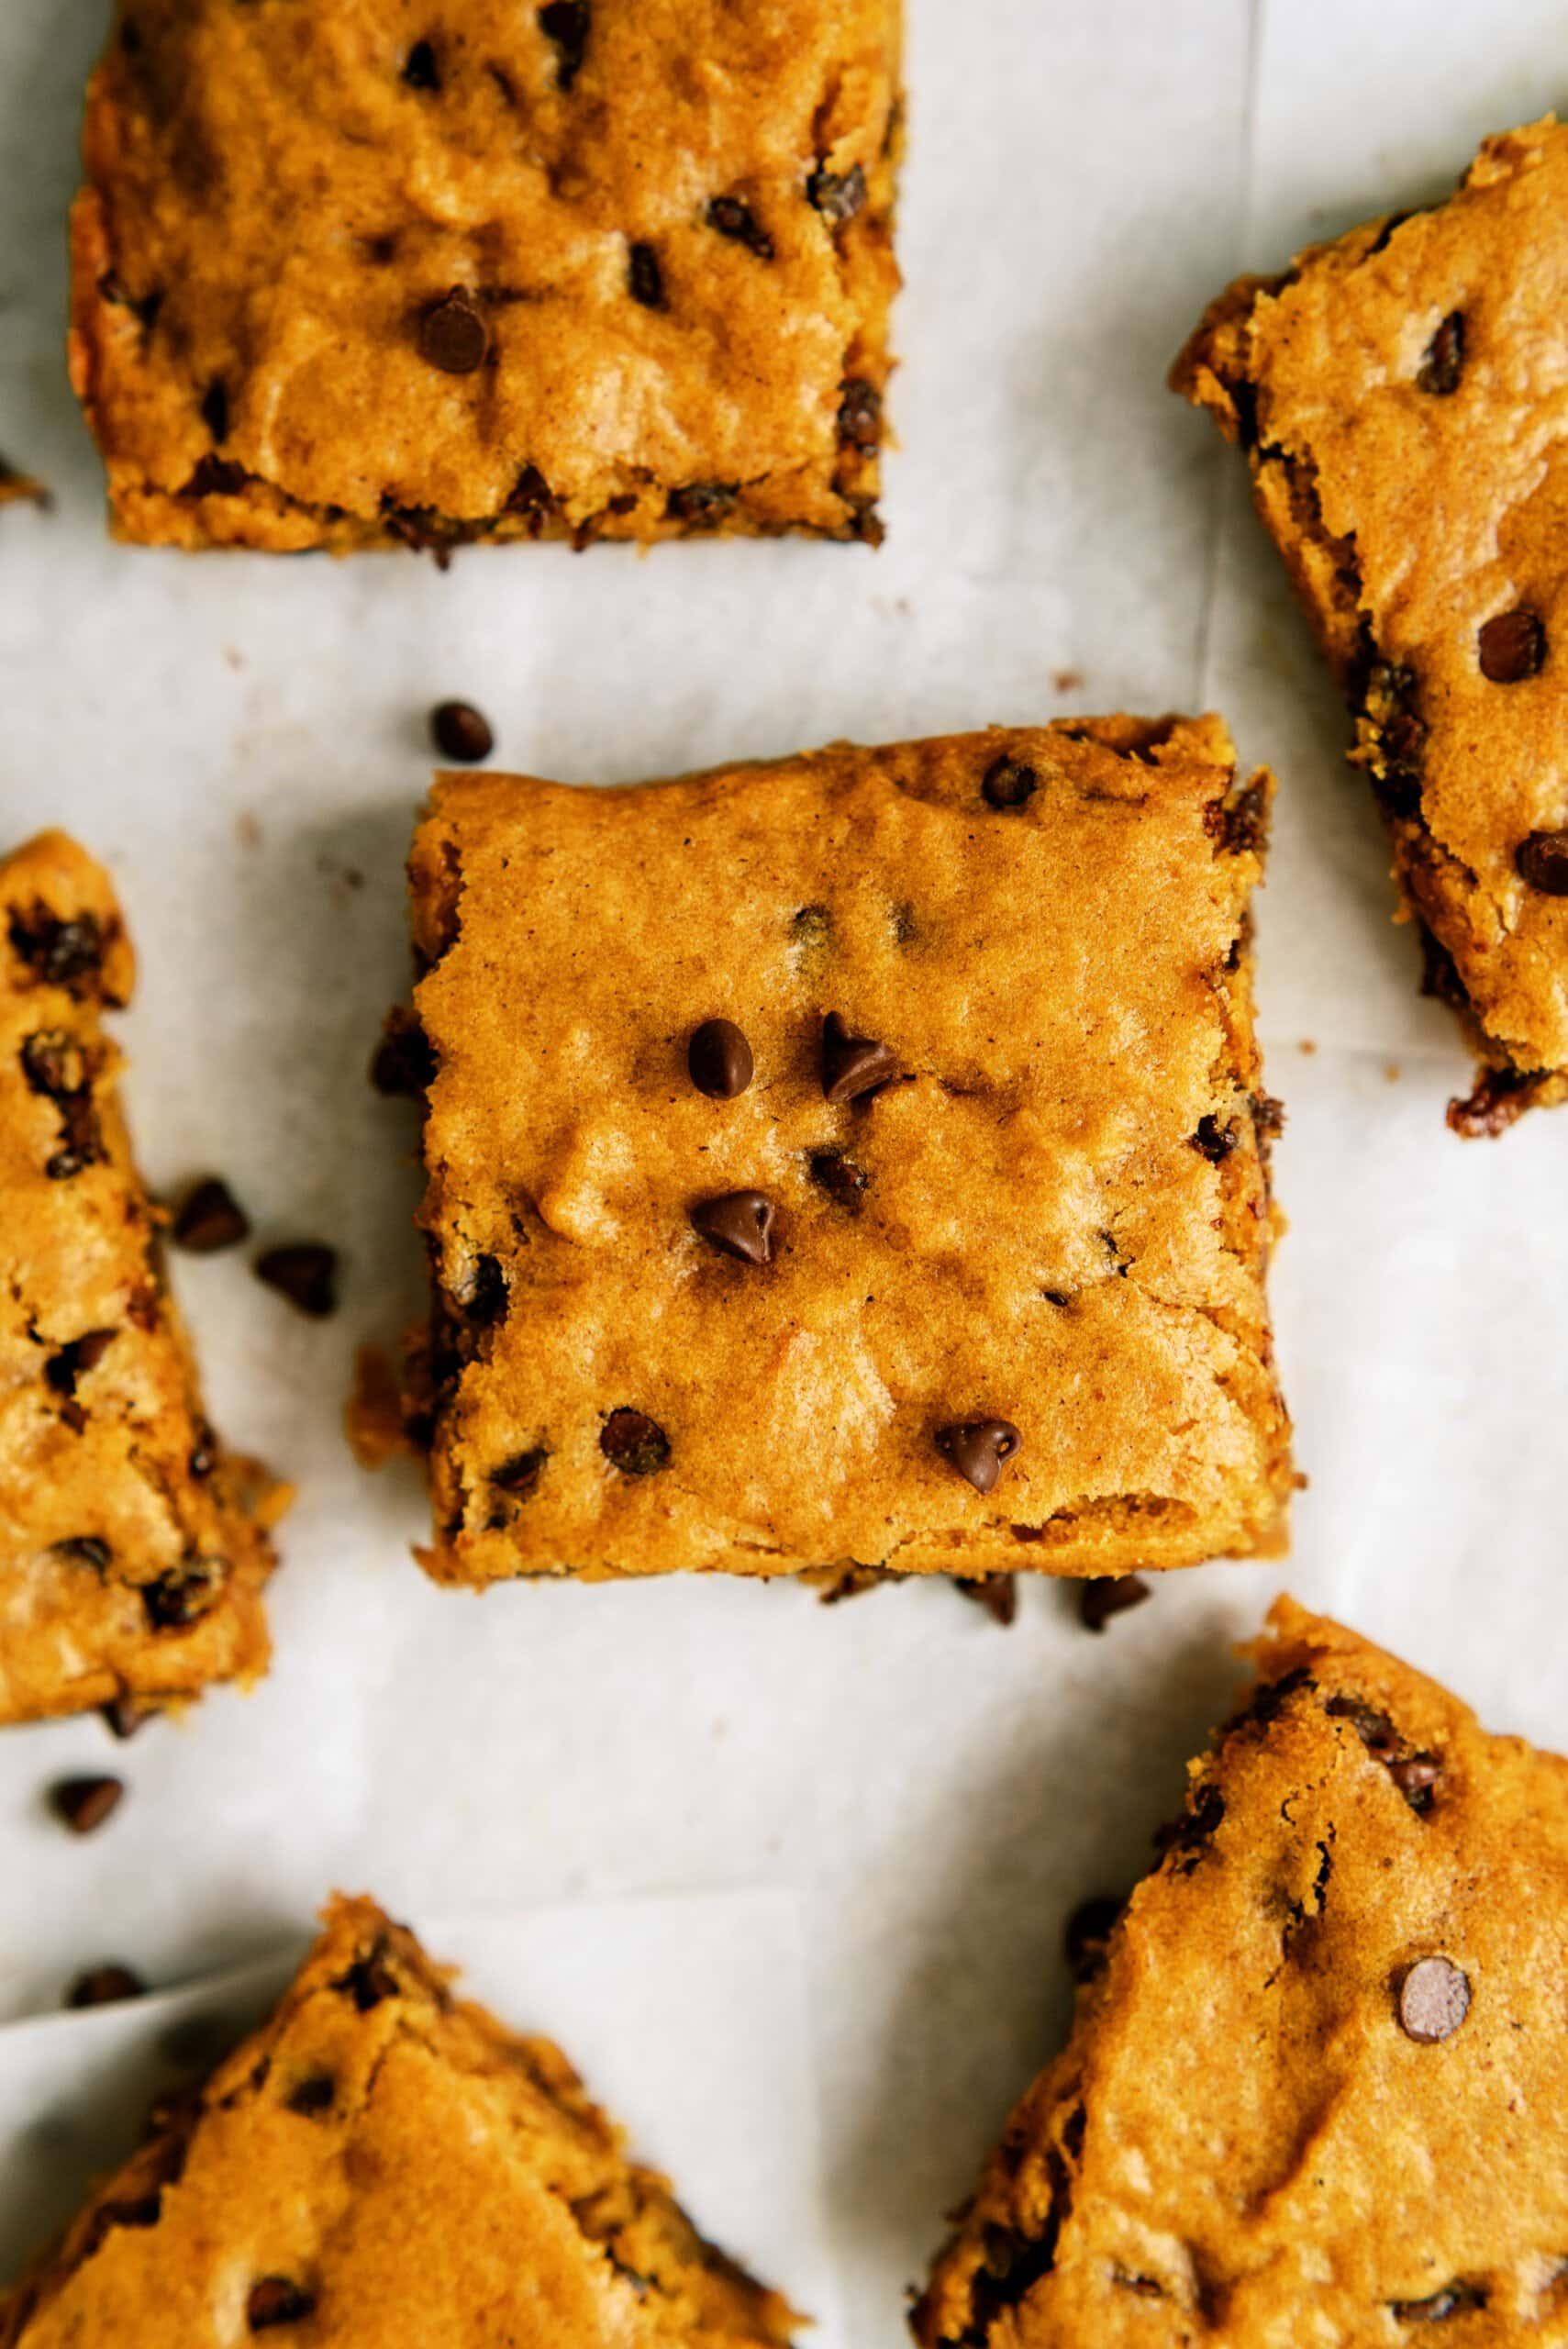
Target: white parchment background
(235, 735)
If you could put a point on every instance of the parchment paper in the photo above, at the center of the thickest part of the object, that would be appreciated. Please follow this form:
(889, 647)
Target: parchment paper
(243, 739)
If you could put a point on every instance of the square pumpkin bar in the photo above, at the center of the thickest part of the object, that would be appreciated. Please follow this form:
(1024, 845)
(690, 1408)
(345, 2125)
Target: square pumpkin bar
(357, 274)
(133, 1547)
(857, 1161)
(1397, 395)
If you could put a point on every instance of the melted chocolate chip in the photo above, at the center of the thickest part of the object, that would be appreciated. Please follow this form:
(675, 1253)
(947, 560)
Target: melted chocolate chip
(1542, 862)
(370, 1980)
(633, 1442)
(844, 1182)
(1009, 783)
(1213, 1140)
(1441, 368)
(214, 408)
(739, 1224)
(719, 1059)
(702, 501)
(838, 195)
(75, 1359)
(84, 1804)
(183, 1595)
(566, 23)
(277, 2301)
(420, 68)
(453, 335)
(58, 953)
(735, 219)
(520, 1475)
(462, 732)
(644, 278)
(853, 1067)
(1511, 647)
(860, 414)
(210, 1217)
(216, 477)
(1434, 1998)
(81, 1139)
(1106, 1595)
(979, 1448)
(404, 1066)
(312, 2096)
(531, 495)
(54, 1063)
(1087, 1936)
(85, 1549)
(305, 1272)
(104, 1986)
(1237, 824)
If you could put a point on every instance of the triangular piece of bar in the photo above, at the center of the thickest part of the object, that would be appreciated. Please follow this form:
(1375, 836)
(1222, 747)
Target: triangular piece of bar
(383, 2167)
(1317, 2092)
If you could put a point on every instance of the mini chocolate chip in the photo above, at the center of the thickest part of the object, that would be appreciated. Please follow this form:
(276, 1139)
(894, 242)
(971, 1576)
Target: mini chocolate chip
(1434, 1998)
(214, 408)
(860, 413)
(404, 1066)
(978, 1449)
(844, 1182)
(644, 278)
(739, 1224)
(370, 1980)
(853, 1067)
(565, 22)
(453, 335)
(312, 2096)
(1511, 647)
(520, 1475)
(1375, 1731)
(1088, 1934)
(735, 219)
(702, 501)
(1542, 861)
(421, 70)
(462, 732)
(210, 1217)
(85, 1549)
(1104, 1596)
(104, 1986)
(182, 1597)
(633, 1442)
(1416, 1777)
(277, 2301)
(75, 1359)
(54, 1063)
(719, 1060)
(1213, 1140)
(1009, 783)
(1454, 2299)
(838, 195)
(1444, 363)
(306, 1273)
(998, 1594)
(83, 1804)
(123, 1716)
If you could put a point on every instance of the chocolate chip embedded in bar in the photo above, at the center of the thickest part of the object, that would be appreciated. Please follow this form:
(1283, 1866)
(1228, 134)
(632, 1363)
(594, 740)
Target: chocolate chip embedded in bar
(820, 1179)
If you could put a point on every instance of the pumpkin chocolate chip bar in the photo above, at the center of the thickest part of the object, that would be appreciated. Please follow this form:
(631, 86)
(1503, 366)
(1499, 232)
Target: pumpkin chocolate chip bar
(851, 1162)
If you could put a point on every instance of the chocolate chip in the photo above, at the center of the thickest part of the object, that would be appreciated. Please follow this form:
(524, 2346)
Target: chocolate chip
(1417, 1778)
(370, 1980)
(998, 1594)
(1440, 370)
(453, 335)
(182, 1597)
(85, 1549)
(565, 22)
(735, 219)
(104, 1986)
(1542, 862)
(1195, 1829)
(210, 1217)
(83, 1804)
(277, 2300)
(487, 1295)
(520, 1475)
(1434, 1998)
(405, 1064)
(1088, 1934)
(306, 1273)
(1375, 1731)
(1213, 1140)
(58, 953)
(462, 732)
(54, 1063)
(124, 1716)
(978, 1449)
(81, 1139)
(1454, 2299)
(860, 413)
(1009, 783)
(719, 1060)
(1237, 824)
(202, 1458)
(644, 278)
(421, 70)
(853, 1067)
(214, 477)
(739, 1224)
(75, 1359)
(1104, 1596)
(312, 2096)
(702, 501)
(844, 1182)
(1511, 647)
(633, 1442)
(214, 408)
(838, 195)
(531, 495)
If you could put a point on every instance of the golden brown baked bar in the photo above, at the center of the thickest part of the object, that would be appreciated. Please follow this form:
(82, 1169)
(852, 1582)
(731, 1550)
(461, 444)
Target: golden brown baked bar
(1397, 394)
(1318, 2087)
(855, 1161)
(365, 273)
(133, 1549)
(382, 2165)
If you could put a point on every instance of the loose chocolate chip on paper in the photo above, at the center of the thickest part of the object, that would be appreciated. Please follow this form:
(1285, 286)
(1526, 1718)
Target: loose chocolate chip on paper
(720, 1061)
(566, 23)
(998, 1594)
(979, 1448)
(104, 1986)
(84, 1804)
(734, 218)
(306, 1273)
(1106, 1595)
(838, 195)
(1088, 1931)
(1542, 862)
(1434, 1998)
(1511, 647)
(853, 1067)
(860, 413)
(844, 1182)
(277, 2301)
(462, 732)
(1444, 363)
(1009, 783)
(453, 335)
(644, 278)
(633, 1442)
(739, 1224)
(123, 1716)
(209, 1217)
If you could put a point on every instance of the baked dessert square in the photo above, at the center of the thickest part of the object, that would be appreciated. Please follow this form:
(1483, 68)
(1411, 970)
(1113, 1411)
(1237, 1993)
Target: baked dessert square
(364, 274)
(854, 1160)
(1397, 395)
(1316, 2090)
(133, 1547)
(383, 2164)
